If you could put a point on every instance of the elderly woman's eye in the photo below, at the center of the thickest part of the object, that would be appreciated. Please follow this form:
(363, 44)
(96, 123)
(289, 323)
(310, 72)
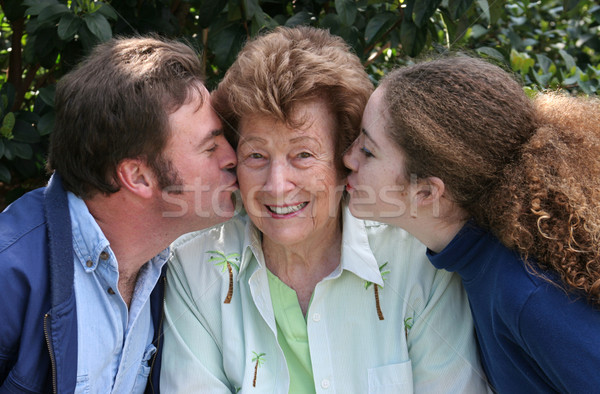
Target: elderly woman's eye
(304, 155)
(255, 156)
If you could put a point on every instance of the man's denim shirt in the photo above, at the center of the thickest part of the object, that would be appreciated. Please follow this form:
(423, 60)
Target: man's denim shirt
(114, 343)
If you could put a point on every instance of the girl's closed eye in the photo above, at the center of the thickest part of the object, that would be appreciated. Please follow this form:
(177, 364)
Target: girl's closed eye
(366, 152)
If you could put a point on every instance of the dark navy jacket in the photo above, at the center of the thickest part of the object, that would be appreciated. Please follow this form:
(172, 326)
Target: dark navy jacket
(38, 314)
(533, 335)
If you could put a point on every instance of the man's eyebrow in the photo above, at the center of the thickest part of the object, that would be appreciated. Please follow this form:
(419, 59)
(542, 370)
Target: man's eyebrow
(210, 136)
(366, 133)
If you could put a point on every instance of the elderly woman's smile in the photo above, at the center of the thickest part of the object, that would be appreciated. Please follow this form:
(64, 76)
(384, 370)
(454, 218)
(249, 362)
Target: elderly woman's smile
(286, 211)
(287, 175)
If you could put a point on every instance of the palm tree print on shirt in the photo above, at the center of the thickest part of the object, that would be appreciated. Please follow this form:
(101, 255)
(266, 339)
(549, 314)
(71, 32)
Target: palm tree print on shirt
(258, 359)
(376, 289)
(408, 324)
(227, 262)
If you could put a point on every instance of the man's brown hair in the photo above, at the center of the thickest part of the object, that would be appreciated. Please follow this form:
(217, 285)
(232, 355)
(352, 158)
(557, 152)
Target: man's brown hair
(115, 105)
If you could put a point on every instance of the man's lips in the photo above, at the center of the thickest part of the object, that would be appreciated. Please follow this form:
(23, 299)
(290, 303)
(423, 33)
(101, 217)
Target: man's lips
(232, 187)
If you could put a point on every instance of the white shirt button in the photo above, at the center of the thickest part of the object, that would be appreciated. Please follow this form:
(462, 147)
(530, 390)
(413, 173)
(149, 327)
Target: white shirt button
(316, 316)
(325, 383)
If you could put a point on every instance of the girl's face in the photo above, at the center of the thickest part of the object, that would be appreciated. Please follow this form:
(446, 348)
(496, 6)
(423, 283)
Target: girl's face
(378, 186)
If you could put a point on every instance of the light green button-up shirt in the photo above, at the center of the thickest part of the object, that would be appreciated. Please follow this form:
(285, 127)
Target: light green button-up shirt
(425, 342)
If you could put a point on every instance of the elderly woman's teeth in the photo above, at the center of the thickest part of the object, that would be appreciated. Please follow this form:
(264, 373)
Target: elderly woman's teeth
(288, 209)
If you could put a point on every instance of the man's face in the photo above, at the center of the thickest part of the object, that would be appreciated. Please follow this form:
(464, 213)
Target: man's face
(202, 162)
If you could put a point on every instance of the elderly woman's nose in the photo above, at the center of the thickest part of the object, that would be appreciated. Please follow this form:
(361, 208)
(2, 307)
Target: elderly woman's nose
(279, 178)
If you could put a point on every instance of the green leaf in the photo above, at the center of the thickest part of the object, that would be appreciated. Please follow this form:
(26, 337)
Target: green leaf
(8, 96)
(569, 61)
(44, 45)
(544, 62)
(458, 7)
(53, 12)
(9, 152)
(542, 79)
(108, 12)
(412, 38)
(225, 40)
(37, 6)
(423, 10)
(497, 10)
(491, 52)
(22, 150)
(25, 132)
(260, 22)
(27, 168)
(47, 94)
(13, 9)
(4, 174)
(45, 125)
(251, 7)
(330, 21)
(568, 5)
(378, 25)
(298, 19)
(68, 26)
(8, 123)
(521, 62)
(209, 10)
(88, 40)
(98, 26)
(346, 9)
(485, 8)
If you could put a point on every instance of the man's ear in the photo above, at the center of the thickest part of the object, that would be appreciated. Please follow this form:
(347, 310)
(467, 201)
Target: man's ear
(135, 176)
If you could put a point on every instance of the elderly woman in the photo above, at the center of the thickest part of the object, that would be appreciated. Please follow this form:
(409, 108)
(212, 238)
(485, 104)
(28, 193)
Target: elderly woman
(505, 191)
(296, 295)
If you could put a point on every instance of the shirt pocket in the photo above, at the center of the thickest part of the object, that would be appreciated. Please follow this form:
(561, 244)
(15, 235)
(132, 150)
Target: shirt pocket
(141, 380)
(83, 384)
(391, 379)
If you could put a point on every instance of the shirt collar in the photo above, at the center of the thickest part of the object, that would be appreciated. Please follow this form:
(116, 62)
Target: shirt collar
(89, 243)
(357, 256)
(252, 246)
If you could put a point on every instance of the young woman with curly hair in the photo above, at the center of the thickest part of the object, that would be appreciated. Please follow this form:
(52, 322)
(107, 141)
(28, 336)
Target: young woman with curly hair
(505, 191)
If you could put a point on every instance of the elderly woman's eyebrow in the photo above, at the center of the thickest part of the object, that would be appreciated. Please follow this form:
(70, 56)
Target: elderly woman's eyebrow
(304, 138)
(252, 139)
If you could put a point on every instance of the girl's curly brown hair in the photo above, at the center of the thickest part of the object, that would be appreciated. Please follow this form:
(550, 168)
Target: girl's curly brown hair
(526, 169)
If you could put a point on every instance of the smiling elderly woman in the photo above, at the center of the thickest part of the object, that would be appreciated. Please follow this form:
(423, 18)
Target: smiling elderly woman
(297, 295)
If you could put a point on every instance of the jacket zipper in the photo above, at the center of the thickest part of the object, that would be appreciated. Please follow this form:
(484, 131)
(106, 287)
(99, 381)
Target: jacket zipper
(160, 326)
(52, 360)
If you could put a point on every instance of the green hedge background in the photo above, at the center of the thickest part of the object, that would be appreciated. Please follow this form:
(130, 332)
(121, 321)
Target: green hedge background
(548, 43)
